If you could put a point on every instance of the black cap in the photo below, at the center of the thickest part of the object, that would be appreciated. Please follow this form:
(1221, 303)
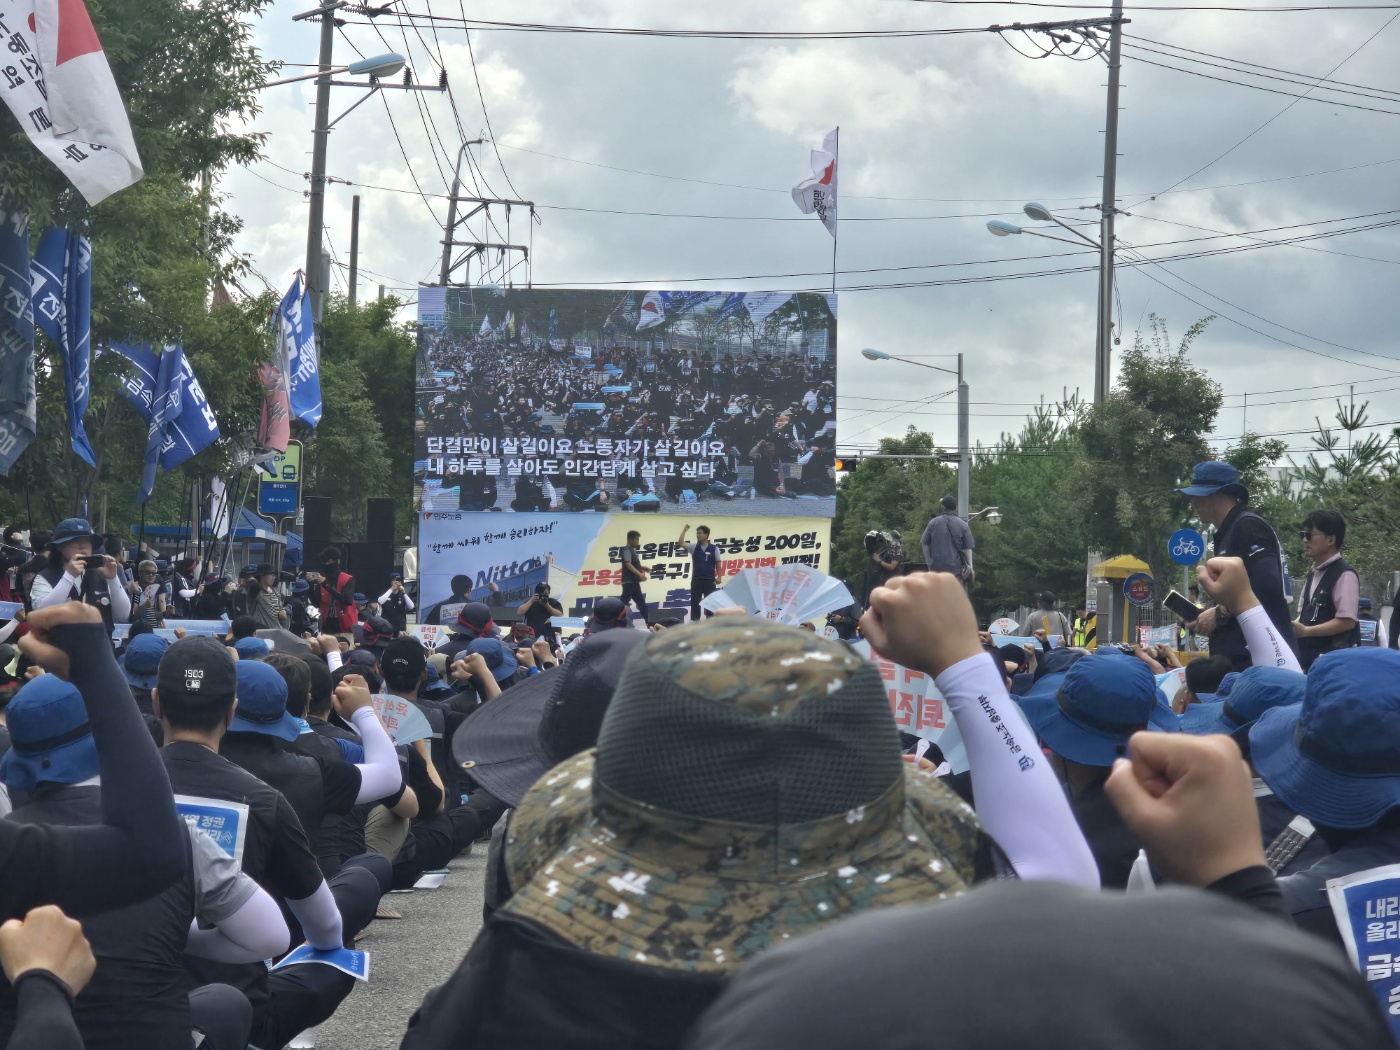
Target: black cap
(1046, 598)
(378, 631)
(199, 666)
(404, 660)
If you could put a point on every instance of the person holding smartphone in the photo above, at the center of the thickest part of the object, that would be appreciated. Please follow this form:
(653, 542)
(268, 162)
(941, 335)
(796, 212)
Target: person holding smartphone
(538, 611)
(74, 573)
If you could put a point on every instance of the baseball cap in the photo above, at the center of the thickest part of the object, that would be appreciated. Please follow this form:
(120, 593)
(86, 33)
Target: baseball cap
(71, 529)
(142, 657)
(251, 649)
(1087, 713)
(404, 659)
(609, 613)
(200, 665)
(50, 738)
(532, 727)
(500, 660)
(262, 702)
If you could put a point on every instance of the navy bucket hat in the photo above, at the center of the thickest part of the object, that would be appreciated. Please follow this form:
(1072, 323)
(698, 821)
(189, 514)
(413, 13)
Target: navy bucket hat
(1254, 691)
(50, 738)
(499, 659)
(1335, 757)
(141, 659)
(1212, 477)
(1087, 713)
(71, 529)
(262, 702)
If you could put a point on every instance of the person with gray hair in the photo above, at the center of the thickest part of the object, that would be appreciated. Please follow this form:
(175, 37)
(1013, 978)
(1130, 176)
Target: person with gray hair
(149, 601)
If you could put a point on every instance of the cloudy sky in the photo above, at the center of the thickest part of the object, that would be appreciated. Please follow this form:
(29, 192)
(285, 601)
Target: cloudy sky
(938, 134)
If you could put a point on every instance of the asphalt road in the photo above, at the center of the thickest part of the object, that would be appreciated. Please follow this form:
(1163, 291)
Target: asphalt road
(408, 957)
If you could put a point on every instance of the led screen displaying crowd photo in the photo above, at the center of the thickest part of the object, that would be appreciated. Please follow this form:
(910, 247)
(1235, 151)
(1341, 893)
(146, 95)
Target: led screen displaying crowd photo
(548, 400)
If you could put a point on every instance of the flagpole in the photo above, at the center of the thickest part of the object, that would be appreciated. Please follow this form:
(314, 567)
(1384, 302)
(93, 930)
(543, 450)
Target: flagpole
(837, 223)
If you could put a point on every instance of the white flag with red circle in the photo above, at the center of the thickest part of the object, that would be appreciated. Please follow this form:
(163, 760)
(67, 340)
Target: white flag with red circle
(818, 193)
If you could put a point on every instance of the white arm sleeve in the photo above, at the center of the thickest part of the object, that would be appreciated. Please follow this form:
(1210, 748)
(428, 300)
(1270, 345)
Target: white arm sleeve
(121, 601)
(1019, 800)
(385, 596)
(187, 593)
(380, 775)
(255, 932)
(1266, 648)
(42, 594)
(408, 603)
(319, 918)
(335, 660)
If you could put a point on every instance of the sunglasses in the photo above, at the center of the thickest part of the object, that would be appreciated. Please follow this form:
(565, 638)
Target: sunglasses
(1306, 535)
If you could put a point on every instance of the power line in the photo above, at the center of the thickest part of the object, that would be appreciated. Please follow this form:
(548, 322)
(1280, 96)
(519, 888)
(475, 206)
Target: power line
(1272, 91)
(490, 131)
(1282, 111)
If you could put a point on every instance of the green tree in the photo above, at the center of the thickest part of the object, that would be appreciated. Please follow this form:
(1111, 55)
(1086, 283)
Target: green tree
(1038, 545)
(886, 494)
(1140, 442)
(188, 74)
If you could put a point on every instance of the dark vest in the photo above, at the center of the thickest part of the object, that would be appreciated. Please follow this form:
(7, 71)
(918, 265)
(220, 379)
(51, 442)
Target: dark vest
(92, 590)
(1317, 606)
(296, 774)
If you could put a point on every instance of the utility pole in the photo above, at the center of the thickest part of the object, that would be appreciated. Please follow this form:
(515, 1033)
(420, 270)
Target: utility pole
(475, 249)
(320, 135)
(1103, 369)
(354, 245)
(964, 454)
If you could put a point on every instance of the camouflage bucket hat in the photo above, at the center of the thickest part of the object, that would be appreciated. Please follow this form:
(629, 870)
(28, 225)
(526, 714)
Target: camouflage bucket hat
(747, 787)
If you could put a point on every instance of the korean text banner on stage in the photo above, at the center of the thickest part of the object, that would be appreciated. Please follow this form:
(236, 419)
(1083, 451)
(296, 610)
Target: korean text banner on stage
(550, 400)
(500, 558)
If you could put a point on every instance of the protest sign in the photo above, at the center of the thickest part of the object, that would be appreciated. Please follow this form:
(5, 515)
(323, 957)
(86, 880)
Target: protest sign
(918, 706)
(347, 961)
(499, 559)
(224, 822)
(402, 719)
(653, 399)
(1366, 906)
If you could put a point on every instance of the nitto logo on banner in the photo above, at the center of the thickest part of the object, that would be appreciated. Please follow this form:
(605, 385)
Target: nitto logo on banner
(498, 573)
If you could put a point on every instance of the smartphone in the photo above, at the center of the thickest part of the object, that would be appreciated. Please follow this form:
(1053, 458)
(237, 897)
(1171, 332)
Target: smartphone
(1182, 606)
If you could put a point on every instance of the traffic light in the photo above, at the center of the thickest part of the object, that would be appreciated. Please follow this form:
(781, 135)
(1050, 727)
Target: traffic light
(847, 463)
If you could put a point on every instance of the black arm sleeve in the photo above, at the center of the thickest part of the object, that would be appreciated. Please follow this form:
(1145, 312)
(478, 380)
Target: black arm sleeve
(43, 1015)
(1256, 887)
(139, 849)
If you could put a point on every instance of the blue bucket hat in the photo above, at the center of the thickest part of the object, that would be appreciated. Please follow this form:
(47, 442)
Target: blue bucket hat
(499, 659)
(1212, 477)
(251, 649)
(71, 529)
(141, 659)
(50, 738)
(300, 587)
(1254, 691)
(262, 702)
(1335, 757)
(1087, 713)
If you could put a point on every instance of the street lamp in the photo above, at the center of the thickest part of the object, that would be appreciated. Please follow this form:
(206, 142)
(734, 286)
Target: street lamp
(1104, 246)
(964, 456)
(377, 66)
(991, 514)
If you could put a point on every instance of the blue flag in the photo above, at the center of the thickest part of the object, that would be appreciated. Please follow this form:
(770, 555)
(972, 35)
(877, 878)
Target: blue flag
(553, 322)
(165, 409)
(62, 294)
(18, 409)
(296, 330)
(194, 429)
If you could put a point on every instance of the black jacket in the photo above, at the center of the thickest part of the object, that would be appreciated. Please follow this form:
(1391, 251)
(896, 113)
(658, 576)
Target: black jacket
(522, 988)
(1245, 535)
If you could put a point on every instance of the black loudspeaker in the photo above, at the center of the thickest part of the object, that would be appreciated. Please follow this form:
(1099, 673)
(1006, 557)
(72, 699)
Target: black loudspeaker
(370, 564)
(315, 529)
(379, 521)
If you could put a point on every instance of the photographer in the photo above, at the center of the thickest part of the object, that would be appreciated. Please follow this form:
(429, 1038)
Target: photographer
(395, 604)
(537, 611)
(886, 558)
(74, 573)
